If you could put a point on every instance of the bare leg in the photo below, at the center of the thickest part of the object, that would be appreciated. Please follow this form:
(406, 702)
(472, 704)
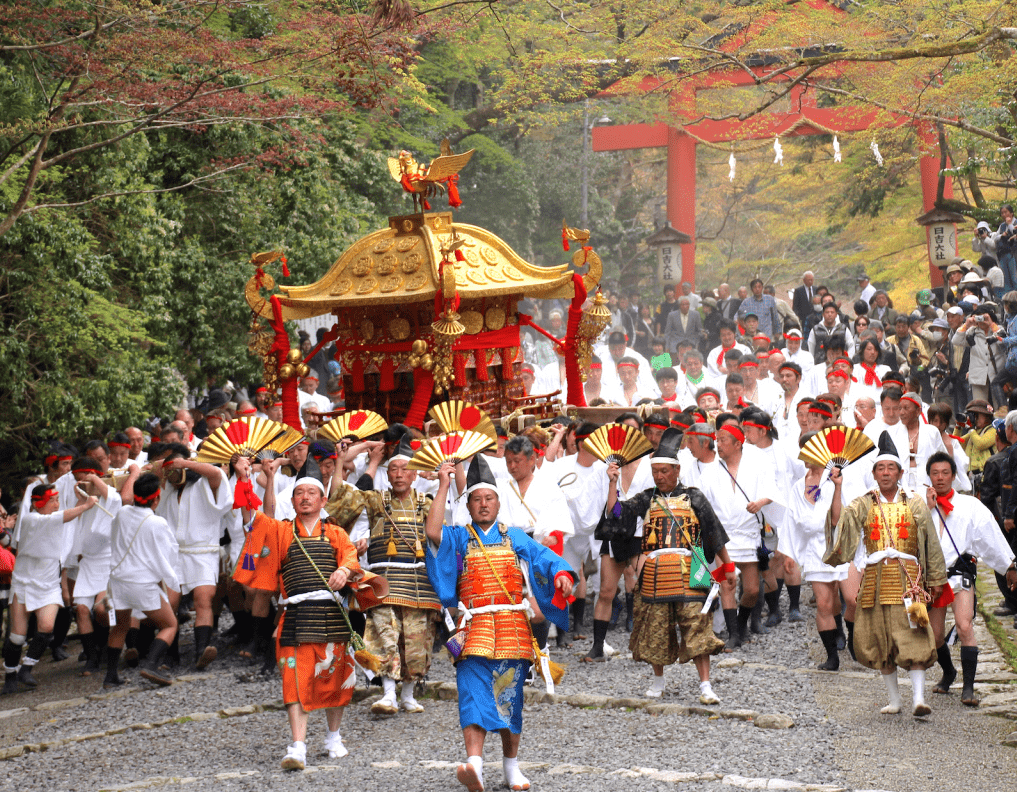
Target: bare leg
(297, 716)
(826, 600)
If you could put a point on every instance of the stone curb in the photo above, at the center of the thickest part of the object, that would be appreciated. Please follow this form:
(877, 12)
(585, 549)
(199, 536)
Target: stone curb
(652, 774)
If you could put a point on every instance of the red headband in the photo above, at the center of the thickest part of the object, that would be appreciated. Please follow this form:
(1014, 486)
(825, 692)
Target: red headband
(277, 404)
(822, 409)
(734, 431)
(789, 336)
(749, 362)
(760, 335)
(251, 411)
(679, 424)
(311, 376)
(119, 445)
(262, 389)
(596, 365)
(629, 365)
(144, 500)
(527, 367)
(41, 500)
(842, 360)
(756, 426)
(838, 373)
(914, 401)
(791, 366)
(692, 431)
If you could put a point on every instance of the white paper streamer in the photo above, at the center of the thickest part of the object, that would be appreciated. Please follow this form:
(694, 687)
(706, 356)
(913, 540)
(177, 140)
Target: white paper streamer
(731, 165)
(836, 149)
(875, 153)
(778, 152)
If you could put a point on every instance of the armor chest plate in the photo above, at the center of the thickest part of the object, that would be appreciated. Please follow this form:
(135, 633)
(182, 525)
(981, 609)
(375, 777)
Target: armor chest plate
(889, 525)
(311, 621)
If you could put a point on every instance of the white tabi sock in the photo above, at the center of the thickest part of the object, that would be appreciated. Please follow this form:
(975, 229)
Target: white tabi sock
(893, 691)
(918, 690)
(407, 692)
(478, 764)
(388, 685)
(658, 684)
(514, 777)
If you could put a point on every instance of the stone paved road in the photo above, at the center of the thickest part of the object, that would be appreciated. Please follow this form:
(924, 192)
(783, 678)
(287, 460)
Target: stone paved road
(212, 731)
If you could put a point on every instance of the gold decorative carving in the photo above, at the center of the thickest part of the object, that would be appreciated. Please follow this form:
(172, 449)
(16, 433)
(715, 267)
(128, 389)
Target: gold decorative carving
(477, 276)
(489, 254)
(407, 225)
(362, 266)
(411, 263)
(390, 285)
(367, 329)
(387, 265)
(494, 274)
(367, 285)
(407, 243)
(416, 281)
(472, 321)
(399, 328)
(461, 277)
(342, 286)
(495, 317)
(384, 245)
(472, 258)
(512, 273)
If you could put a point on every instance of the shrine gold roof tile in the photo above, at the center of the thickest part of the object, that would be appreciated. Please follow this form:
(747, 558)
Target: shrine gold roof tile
(400, 264)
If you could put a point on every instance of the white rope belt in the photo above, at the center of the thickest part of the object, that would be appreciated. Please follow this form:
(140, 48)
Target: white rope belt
(199, 549)
(884, 556)
(669, 551)
(395, 565)
(320, 594)
(469, 613)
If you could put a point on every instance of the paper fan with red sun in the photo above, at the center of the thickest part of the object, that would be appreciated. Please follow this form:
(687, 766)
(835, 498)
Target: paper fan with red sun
(360, 424)
(835, 446)
(453, 447)
(247, 437)
(460, 416)
(617, 443)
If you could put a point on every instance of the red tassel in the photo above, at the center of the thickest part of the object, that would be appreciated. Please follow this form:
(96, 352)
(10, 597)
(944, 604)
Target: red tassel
(459, 255)
(427, 206)
(874, 536)
(423, 385)
(480, 356)
(407, 183)
(902, 533)
(387, 379)
(559, 600)
(286, 270)
(564, 240)
(244, 496)
(453, 192)
(507, 374)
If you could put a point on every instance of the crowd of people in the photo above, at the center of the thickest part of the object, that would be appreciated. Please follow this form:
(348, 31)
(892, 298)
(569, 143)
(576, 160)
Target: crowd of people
(338, 555)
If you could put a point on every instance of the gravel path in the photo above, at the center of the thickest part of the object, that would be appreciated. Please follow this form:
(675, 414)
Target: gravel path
(838, 740)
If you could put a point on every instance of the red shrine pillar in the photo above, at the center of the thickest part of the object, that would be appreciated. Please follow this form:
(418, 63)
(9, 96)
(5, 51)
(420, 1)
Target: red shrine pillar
(681, 195)
(928, 167)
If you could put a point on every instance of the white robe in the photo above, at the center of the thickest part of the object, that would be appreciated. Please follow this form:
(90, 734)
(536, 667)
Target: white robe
(196, 520)
(645, 383)
(971, 528)
(542, 509)
(802, 534)
(756, 477)
(586, 495)
(713, 369)
(144, 554)
(92, 543)
(36, 578)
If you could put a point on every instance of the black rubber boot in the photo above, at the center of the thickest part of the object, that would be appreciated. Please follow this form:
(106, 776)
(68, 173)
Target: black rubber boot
(794, 595)
(112, 679)
(10, 683)
(734, 634)
(131, 644)
(829, 638)
(540, 631)
(850, 638)
(596, 654)
(61, 626)
(34, 652)
(630, 599)
(150, 668)
(578, 617)
(949, 671)
(91, 646)
(616, 610)
(204, 651)
(756, 620)
(773, 608)
(744, 613)
(841, 640)
(969, 667)
(12, 659)
(172, 652)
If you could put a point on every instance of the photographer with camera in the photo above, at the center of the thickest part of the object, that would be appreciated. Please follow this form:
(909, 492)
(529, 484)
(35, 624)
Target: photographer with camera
(984, 241)
(1006, 247)
(988, 357)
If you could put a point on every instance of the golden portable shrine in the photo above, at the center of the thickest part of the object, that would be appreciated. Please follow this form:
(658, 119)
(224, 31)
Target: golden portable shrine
(427, 310)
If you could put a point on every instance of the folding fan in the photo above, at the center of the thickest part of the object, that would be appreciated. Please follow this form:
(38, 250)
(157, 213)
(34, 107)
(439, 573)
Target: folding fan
(453, 447)
(617, 443)
(358, 423)
(836, 446)
(458, 415)
(248, 437)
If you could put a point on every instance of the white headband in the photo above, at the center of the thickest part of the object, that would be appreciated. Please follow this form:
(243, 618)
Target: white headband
(309, 480)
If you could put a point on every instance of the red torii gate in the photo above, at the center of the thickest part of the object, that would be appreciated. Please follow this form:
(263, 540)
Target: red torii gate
(681, 143)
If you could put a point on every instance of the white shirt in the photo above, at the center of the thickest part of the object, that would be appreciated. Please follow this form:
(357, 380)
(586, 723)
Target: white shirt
(971, 528)
(539, 511)
(196, 517)
(868, 293)
(711, 359)
(92, 537)
(645, 383)
(585, 490)
(756, 477)
(802, 357)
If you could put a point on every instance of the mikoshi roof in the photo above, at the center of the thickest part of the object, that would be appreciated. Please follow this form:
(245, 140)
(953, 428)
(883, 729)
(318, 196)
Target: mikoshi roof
(400, 264)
